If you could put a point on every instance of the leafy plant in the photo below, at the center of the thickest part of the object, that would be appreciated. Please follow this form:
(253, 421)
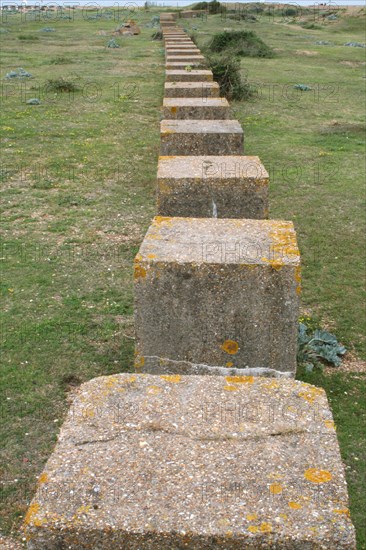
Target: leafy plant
(240, 43)
(317, 345)
(226, 71)
(157, 35)
(61, 85)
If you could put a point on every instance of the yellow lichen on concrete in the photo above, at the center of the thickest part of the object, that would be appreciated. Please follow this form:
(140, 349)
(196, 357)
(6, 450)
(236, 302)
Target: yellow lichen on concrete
(230, 346)
(265, 527)
(298, 279)
(275, 488)
(172, 378)
(310, 393)
(239, 379)
(31, 513)
(317, 476)
(329, 424)
(43, 478)
(294, 505)
(342, 511)
(253, 528)
(231, 388)
(139, 361)
(252, 517)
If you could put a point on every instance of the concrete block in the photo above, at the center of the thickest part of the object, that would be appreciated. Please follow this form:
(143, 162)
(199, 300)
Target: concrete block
(191, 89)
(189, 76)
(181, 46)
(168, 462)
(207, 187)
(201, 137)
(180, 53)
(187, 59)
(215, 296)
(196, 108)
(182, 65)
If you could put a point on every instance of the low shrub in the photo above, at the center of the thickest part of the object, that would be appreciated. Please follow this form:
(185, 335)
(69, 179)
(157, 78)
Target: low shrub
(226, 71)
(240, 43)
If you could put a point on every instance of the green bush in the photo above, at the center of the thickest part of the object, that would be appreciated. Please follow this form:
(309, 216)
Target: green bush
(213, 7)
(157, 35)
(240, 43)
(226, 71)
(61, 85)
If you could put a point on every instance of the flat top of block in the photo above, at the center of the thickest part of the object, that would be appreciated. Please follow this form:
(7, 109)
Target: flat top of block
(251, 460)
(200, 126)
(201, 72)
(190, 57)
(200, 241)
(191, 85)
(224, 168)
(195, 102)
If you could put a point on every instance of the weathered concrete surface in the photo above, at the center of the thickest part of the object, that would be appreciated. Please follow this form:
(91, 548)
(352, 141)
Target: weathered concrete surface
(219, 293)
(201, 137)
(182, 50)
(178, 42)
(206, 187)
(189, 76)
(192, 89)
(170, 462)
(188, 59)
(182, 65)
(196, 108)
(185, 60)
(181, 46)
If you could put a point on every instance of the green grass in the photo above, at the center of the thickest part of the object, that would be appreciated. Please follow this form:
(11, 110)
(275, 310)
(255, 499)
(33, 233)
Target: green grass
(78, 175)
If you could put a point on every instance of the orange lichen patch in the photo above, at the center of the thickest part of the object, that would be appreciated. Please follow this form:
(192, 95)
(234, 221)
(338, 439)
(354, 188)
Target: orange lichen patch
(173, 110)
(239, 379)
(139, 272)
(153, 390)
(230, 346)
(166, 158)
(270, 385)
(298, 279)
(275, 264)
(229, 364)
(32, 511)
(294, 505)
(151, 256)
(275, 488)
(310, 393)
(231, 388)
(252, 517)
(139, 361)
(163, 219)
(167, 132)
(130, 379)
(317, 476)
(43, 478)
(344, 511)
(253, 528)
(329, 424)
(265, 527)
(172, 378)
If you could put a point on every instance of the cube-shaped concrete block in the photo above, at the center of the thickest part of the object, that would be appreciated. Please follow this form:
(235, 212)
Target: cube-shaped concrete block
(201, 137)
(183, 65)
(182, 50)
(196, 108)
(178, 462)
(217, 295)
(186, 59)
(177, 46)
(191, 89)
(200, 75)
(209, 187)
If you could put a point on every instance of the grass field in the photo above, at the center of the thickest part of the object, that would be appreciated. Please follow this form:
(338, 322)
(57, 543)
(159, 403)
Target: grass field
(77, 195)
